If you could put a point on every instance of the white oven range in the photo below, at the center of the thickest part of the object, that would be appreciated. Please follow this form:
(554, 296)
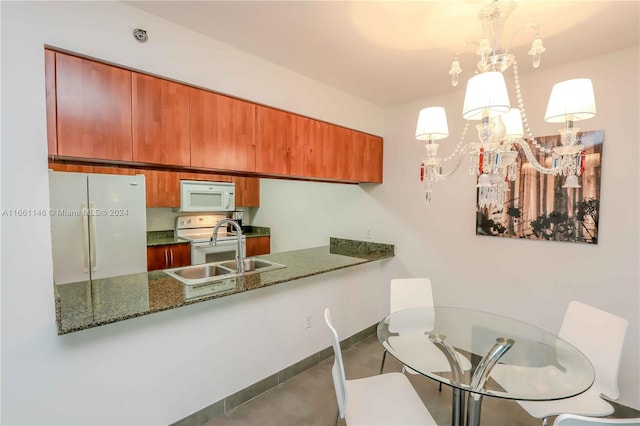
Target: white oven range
(198, 229)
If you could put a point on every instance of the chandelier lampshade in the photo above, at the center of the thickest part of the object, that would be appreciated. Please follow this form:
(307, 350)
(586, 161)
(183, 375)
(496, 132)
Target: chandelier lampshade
(571, 100)
(432, 124)
(485, 91)
(513, 123)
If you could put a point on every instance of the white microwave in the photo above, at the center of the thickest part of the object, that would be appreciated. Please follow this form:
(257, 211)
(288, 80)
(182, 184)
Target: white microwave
(202, 196)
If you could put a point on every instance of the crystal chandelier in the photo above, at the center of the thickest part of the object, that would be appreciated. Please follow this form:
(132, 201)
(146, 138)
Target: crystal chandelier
(492, 158)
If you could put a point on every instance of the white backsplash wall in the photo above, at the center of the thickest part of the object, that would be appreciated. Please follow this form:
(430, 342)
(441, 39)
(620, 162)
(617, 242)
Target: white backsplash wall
(164, 219)
(161, 219)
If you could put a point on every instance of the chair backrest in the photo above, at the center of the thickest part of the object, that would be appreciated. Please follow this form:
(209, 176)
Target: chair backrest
(575, 420)
(410, 293)
(600, 336)
(337, 371)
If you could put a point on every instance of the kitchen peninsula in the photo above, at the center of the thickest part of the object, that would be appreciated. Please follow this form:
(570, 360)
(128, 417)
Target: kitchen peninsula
(89, 304)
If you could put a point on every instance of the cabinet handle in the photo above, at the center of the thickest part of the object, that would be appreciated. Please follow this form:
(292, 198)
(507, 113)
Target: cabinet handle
(166, 259)
(171, 252)
(85, 237)
(93, 236)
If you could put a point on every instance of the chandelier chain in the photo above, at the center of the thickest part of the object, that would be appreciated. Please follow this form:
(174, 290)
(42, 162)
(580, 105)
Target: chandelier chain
(525, 120)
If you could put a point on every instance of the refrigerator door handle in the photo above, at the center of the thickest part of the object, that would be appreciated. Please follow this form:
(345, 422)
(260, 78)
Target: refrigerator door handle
(94, 255)
(85, 237)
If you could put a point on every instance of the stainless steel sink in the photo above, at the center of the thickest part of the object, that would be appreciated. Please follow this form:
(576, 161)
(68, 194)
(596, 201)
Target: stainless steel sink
(209, 272)
(198, 274)
(252, 265)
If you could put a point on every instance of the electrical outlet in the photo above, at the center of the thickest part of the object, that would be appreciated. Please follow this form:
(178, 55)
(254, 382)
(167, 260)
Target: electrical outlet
(308, 324)
(369, 233)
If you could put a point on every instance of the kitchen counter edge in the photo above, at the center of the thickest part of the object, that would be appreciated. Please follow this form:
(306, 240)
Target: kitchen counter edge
(87, 304)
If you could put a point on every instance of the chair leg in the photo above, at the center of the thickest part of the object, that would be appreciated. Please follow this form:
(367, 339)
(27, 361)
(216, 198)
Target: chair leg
(335, 423)
(440, 387)
(384, 356)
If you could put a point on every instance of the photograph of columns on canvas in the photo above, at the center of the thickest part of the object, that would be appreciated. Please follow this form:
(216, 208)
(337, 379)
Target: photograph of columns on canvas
(541, 206)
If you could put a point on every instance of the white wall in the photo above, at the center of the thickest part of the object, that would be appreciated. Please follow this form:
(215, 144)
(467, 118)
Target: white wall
(159, 368)
(529, 280)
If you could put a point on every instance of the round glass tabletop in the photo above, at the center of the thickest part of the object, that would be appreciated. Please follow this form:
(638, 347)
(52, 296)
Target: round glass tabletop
(486, 353)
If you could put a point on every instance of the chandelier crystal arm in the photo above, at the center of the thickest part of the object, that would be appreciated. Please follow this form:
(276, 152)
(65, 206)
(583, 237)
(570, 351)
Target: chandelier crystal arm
(531, 25)
(457, 156)
(531, 158)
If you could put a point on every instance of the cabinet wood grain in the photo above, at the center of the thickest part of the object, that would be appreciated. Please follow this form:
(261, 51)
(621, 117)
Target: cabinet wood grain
(160, 121)
(247, 191)
(342, 152)
(222, 132)
(279, 142)
(50, 99)
(93, 114)
(70, 168)
(163, 188)
(206, 177)
(258, 245)
(320, 158)
(367, 165)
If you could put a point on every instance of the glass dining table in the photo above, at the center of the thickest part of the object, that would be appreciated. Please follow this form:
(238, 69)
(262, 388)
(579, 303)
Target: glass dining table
(482, 354)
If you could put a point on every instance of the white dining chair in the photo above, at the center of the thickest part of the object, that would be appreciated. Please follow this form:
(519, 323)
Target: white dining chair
(407, 293)
(385, 399)
(599, 335)
(575, 420)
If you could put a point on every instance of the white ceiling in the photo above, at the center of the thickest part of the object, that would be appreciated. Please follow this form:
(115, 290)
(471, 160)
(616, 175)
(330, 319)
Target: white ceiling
(394, 52)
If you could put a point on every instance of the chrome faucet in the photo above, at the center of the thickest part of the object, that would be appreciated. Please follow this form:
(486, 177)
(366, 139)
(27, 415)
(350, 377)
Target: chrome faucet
(214, 240)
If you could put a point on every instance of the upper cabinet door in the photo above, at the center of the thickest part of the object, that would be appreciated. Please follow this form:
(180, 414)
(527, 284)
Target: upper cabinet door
(160, 121)
(222, 132)
(342, 153)
(279, 142)
(320, 159)
(93, 109)
(367, 164)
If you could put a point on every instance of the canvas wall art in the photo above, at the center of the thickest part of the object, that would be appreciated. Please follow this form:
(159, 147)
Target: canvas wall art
(539, 208)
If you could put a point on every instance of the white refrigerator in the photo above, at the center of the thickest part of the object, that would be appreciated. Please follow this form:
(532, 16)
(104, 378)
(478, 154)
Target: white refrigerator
(98, 225)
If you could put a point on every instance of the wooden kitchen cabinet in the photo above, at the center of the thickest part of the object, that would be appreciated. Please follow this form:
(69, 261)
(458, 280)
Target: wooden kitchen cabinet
(101, 112)
(168, 256)
(247, 191)
(50, 100)
(160, 111)
(320, 158)
(258, 245)
(367, 164)
(70, 168)
(342, 152)
(222, 132)
(205, 177)
(163, 188)
(279, 142)
(93, 109)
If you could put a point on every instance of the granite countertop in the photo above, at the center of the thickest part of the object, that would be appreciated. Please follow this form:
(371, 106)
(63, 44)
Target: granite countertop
(94, 303)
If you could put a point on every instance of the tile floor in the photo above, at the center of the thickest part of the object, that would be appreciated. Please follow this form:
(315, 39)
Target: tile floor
(308, 399)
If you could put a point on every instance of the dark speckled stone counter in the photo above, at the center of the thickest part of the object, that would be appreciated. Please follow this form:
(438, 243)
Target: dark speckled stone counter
(94, 303)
